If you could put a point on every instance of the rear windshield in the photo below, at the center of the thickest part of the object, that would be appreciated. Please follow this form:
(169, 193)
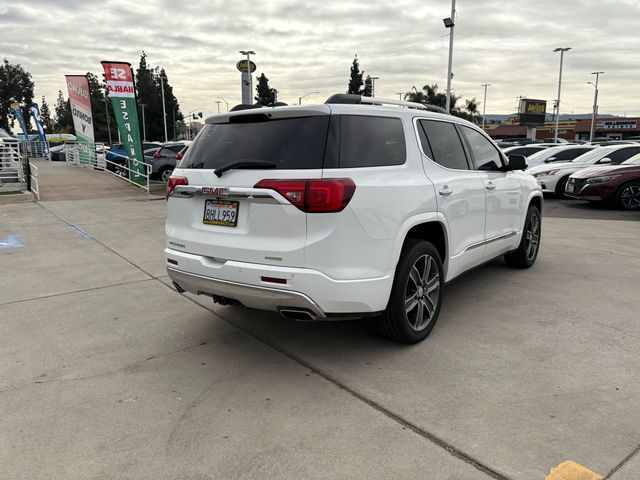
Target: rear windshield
(290, 143)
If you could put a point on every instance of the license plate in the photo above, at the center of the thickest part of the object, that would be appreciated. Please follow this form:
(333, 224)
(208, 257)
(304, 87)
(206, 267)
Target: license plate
(223, 213)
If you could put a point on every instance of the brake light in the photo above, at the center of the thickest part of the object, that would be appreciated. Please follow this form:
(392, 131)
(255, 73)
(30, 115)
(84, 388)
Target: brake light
(314, 196)
(173, 183)
(179, 156)
(157, 155)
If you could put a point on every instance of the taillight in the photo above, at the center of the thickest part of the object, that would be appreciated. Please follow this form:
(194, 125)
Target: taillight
(179, 156)
(157, 155)
(173, 183)
(314, 196)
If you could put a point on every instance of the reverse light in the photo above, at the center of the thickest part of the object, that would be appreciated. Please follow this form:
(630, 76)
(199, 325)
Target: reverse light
(323, 195)
(174, 182)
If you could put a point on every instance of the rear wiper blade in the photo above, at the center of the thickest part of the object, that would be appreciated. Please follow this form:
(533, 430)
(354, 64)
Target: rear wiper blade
(257, 164)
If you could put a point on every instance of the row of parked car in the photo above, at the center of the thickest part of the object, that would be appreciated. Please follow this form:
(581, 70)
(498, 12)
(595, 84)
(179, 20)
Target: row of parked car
(604, 173)
(162, 157)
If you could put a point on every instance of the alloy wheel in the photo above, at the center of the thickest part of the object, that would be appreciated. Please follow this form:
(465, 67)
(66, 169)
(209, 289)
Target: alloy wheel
(165, 175)
(422, 292)
(630, 197)
(533, 236)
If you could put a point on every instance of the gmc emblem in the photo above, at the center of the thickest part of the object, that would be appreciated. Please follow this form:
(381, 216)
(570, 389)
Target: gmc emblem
(215, 191)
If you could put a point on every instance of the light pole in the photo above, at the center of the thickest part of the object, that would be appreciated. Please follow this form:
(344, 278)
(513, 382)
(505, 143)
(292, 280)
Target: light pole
(484, 102)
(373, 85)
(399, 95)
(248, 53)
(225, 102)
(561, 50)
(595, 104)
(305, 95)
(450, 23)
(106, 114)
(164, 113)
(218, 102)
(144, 128)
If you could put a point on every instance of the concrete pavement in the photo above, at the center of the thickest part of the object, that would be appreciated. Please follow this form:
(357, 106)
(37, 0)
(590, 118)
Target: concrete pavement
(108, 372)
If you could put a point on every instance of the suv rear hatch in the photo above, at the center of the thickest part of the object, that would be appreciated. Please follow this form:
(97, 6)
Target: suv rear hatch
(214, 209)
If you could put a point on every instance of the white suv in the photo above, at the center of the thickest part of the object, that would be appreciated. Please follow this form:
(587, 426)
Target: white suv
(345, 210)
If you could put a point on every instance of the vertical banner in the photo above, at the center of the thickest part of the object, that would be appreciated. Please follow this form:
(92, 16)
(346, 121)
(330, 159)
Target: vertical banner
(17, 112)
(35, 113)
(121, 90)
(82, 119)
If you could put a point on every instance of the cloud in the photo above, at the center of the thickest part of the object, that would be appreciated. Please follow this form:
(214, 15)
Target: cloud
(307, 46)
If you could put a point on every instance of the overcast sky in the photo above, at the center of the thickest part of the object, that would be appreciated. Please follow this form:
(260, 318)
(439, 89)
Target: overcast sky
(307, 46)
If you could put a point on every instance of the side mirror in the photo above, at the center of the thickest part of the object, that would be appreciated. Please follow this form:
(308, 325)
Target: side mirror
(516, 162)
(605, 160)
(550, 159)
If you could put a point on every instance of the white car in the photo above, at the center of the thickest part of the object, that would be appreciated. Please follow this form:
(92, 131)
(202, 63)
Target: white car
(553, 177)
(345, 210)
(524, 150)
(558, 153)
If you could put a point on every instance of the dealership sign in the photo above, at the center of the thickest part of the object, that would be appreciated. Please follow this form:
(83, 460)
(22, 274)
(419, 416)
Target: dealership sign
(532, 112)
(617, 124)
(122, 92)
(80, 103)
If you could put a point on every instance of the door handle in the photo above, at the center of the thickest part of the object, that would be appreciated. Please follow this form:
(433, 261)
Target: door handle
(445, 191)
(490, 185)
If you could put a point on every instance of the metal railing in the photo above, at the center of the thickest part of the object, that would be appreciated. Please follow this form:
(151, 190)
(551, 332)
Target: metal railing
(33, 173)
(11, 163)
(95, 155)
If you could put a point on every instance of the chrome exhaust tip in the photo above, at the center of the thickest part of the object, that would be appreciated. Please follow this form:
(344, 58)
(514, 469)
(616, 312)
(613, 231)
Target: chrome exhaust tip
(298, 314)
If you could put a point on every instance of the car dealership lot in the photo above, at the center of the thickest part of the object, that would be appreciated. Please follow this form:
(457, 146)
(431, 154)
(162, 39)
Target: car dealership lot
(108, 372)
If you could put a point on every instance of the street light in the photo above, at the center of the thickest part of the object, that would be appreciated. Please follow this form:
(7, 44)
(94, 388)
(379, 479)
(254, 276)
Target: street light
(595, 104)
(373, 85)
(218, 102)
(399, 95)
(225, 102)
(484, 102)
(450, 23)
(305, 95)
(248, 53)
(163, 76)
(561, 50)
(144, 128)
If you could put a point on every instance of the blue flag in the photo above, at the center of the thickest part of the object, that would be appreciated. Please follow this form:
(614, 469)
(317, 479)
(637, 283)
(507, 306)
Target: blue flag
(35, 113)
(15, 109)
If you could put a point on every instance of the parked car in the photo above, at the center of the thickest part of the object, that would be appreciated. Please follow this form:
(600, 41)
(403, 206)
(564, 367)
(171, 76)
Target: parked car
(612, 184)
(554, 140)
(553, 177)
(117, 155)
(345, 210)
(558, 153)
(57, 153)
(525, 151)
(164, 159)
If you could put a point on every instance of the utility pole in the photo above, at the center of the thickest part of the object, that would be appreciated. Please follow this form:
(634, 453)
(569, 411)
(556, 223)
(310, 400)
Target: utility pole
(484, 102)
(399, 95)
(561, 50)
(450, 23)
(164, 112)
(373, 85)
(595, 105)
(144, 128)
(218, 102)
(225, 102)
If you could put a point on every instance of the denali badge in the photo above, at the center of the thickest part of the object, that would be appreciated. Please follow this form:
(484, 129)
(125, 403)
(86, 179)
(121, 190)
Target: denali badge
(215, 191)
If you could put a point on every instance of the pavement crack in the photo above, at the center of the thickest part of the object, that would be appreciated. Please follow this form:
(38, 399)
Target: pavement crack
(622, 463)
(448, 447)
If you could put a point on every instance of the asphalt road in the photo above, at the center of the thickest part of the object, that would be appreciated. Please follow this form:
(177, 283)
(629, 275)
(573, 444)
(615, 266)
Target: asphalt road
(107, 372)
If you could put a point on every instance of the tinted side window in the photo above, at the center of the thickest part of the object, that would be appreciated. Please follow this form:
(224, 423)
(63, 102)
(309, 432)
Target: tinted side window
(484, 152)
(570, 153)
(444, 143)
(371, 141)
(623, 154)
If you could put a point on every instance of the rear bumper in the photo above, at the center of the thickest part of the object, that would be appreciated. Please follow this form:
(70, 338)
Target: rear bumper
(306, 289)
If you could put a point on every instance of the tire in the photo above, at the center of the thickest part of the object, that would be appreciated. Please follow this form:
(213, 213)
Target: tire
(560, 186)
(419, 259)
(527, 252)
(165, 173)
(628, 196)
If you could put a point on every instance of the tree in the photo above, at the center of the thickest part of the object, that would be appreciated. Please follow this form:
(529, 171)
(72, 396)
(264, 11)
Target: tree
(15, 86)
(64, 119)
(265, 94)
(368, 87)
(355, 80)
(430, 95)
(45, 113)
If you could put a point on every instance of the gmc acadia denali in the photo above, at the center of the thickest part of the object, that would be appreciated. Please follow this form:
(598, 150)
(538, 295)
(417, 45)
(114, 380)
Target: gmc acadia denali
(358, 207)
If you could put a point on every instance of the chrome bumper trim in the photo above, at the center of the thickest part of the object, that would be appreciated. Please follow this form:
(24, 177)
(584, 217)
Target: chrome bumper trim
(252, 296)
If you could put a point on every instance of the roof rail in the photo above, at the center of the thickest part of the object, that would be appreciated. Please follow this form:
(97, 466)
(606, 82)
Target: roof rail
(348, 98)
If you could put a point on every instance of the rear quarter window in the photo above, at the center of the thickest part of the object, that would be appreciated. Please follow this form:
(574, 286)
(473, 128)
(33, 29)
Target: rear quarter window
(367, 141)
